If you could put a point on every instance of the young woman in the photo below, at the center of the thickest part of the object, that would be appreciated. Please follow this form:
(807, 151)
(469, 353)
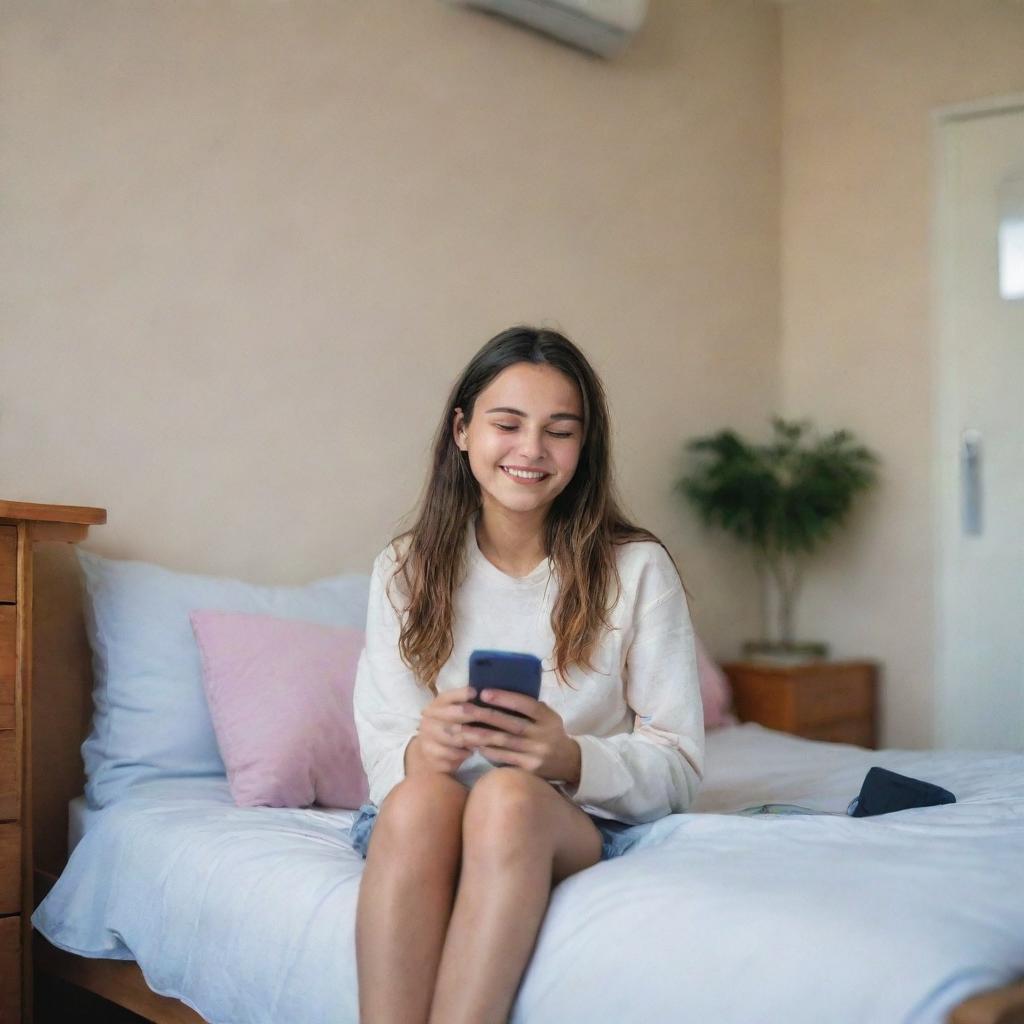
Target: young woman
(519, 545)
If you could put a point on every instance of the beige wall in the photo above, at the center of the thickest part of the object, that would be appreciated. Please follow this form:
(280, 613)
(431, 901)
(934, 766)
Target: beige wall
(247, 246)
(860, 80)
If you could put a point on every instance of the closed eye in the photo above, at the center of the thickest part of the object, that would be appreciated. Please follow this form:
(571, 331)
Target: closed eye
(553, 433)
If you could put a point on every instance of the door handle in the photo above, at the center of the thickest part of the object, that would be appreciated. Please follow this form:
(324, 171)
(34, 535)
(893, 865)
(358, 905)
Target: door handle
(970, 468)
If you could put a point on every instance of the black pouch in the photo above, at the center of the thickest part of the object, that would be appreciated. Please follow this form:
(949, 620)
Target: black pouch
(884, 791)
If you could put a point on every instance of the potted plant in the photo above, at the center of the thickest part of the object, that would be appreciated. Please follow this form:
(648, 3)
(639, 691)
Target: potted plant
(784, 499)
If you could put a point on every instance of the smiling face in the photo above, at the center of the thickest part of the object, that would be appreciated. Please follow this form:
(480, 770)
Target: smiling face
(524, 439)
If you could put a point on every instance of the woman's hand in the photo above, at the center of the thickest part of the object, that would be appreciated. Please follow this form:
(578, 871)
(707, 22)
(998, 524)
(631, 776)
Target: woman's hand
(442, 743)
(537, 743)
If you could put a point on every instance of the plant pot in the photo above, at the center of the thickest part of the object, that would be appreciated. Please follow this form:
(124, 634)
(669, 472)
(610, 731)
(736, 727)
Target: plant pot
(766, 650)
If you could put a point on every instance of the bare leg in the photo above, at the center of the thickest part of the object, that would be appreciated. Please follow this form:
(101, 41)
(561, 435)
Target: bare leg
(405, 897)
(520, 836)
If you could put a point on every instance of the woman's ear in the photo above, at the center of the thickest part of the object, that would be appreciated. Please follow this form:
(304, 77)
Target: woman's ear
(459, 429)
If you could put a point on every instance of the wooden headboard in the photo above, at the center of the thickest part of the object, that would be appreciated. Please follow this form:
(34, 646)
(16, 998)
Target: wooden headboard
(61, 701)
(44, 708)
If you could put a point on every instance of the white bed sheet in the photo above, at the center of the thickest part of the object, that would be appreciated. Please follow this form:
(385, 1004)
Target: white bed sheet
(247, 914)
(79, 818)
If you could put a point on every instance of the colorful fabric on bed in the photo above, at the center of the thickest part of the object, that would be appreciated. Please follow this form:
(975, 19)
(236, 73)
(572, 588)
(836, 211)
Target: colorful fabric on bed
(280, 698)
(150, 718)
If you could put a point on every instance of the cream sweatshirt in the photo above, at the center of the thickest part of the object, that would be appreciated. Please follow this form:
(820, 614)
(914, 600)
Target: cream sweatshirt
(637, 717)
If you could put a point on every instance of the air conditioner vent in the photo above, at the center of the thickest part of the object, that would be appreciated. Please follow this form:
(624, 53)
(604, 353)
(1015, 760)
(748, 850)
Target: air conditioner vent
(603, 27)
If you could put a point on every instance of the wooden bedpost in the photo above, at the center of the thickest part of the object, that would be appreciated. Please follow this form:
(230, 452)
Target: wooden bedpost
(22, 526)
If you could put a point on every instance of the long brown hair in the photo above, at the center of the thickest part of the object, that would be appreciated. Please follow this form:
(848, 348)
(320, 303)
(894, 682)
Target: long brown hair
(582, 529)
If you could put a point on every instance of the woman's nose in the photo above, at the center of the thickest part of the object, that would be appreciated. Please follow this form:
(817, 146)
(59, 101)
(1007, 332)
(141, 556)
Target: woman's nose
(532, 446)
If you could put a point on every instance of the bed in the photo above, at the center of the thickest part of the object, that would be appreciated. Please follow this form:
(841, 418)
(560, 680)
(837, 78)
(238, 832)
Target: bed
(176, 903)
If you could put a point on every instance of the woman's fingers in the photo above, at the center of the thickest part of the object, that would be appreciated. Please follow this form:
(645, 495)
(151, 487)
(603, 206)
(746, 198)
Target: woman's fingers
(456, 733)
(448, 731)
(487, 739)
(469, 713)
(452, 712)
(500, 720)
(450, 722)
(503, 757)
(453, 696)
(449, 758)
(512, 701)
(467, 737)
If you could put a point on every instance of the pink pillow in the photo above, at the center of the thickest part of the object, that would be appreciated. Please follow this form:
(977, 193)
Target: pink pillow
(280, 697)
(715, 692)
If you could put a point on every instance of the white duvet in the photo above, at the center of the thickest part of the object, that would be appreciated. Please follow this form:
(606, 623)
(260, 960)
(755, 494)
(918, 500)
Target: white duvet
(247, 914)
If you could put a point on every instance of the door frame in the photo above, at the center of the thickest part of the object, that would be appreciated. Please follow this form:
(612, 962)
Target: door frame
(945, 471)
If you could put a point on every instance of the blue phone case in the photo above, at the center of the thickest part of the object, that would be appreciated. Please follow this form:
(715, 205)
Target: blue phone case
(504, 670)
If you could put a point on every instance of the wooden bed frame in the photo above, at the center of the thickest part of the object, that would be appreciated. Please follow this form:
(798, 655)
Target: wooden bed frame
(59, 706)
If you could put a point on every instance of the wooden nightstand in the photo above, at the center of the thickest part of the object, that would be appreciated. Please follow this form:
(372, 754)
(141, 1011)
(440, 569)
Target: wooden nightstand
(820, 700)
(21, 525)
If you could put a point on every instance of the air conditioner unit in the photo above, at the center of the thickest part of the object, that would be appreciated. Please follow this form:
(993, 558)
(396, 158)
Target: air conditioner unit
(603, 27)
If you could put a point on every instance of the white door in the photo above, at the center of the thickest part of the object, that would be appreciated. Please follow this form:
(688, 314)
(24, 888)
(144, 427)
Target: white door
(980, 245)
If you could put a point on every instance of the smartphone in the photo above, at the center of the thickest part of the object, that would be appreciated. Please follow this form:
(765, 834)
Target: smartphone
(504, 670)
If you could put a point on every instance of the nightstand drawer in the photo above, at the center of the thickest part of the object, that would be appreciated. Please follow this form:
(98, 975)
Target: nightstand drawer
(841, 692)
(10, 777)
(822, 700)
(8, 641)
(8, 563)
(858, 731)
(10, 968)
(10, 868)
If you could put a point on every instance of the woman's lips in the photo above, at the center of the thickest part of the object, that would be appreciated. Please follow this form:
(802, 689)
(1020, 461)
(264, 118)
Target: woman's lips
(527, 480)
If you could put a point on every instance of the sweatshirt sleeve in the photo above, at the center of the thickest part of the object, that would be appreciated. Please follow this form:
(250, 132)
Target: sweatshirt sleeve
(657, 768)
(387, 699)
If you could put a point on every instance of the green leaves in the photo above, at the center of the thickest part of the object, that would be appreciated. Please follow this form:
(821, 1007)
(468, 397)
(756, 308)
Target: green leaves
(787, 496)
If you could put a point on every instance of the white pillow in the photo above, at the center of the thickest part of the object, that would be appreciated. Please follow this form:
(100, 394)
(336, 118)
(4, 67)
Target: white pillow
(150, 716)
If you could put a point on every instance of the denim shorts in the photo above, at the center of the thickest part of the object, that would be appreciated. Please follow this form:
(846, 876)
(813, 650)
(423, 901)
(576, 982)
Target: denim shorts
(616, 836)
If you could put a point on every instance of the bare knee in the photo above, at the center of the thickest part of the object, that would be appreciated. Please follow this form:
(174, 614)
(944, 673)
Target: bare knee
(422, 813)
(506, 816)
